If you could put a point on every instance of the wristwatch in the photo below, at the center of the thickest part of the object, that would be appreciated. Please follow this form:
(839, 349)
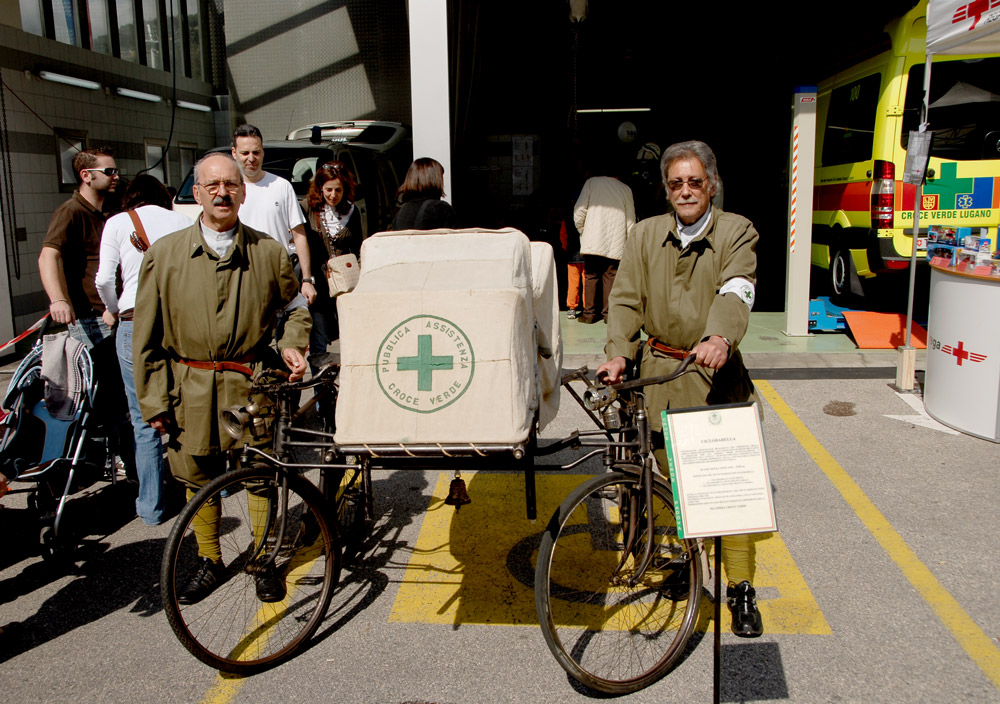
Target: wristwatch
(309, 280)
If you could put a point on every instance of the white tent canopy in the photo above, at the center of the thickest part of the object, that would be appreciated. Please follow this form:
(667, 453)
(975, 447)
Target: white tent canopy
(963, 27)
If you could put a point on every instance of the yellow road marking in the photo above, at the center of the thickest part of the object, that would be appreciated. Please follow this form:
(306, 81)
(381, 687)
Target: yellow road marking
(477, 565)
(972, 639)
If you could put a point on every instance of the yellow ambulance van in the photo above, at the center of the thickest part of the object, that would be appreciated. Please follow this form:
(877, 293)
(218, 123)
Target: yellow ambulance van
(862, 211)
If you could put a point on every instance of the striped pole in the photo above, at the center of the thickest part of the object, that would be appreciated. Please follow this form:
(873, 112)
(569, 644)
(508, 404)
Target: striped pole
(800, 192)
(795, 185)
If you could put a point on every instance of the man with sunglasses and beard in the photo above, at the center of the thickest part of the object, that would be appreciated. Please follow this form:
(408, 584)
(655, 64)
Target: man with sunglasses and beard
(208, 301)
(68, 266)
(688, 280)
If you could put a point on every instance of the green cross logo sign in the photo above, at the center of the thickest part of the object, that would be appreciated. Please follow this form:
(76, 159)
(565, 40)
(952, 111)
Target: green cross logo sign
(425, 364)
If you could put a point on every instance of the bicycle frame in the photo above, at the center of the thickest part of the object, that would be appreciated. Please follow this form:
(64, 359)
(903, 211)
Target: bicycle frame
(633, 456)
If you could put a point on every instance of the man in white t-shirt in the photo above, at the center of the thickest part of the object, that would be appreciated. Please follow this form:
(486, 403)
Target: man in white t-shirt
(271, 206)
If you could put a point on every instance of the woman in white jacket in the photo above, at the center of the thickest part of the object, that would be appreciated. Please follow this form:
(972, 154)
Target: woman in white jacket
(603, 215)
(123, 243)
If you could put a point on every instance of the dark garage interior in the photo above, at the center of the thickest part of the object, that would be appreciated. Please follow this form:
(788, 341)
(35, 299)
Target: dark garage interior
(724, 74)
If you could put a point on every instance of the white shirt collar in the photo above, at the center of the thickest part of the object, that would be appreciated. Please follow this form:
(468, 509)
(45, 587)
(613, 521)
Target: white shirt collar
(688, 233)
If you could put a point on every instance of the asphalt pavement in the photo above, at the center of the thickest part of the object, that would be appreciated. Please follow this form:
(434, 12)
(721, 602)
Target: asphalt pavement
(879, 586)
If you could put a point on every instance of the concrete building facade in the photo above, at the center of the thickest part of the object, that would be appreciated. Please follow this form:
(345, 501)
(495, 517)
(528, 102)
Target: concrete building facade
(76, 77)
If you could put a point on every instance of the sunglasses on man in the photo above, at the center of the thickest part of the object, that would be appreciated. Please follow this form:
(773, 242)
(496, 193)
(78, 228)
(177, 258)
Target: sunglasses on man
(107, 171)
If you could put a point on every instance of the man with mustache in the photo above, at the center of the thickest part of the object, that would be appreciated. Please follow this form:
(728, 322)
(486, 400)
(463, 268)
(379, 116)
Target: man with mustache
(208, 301)
(687, 279)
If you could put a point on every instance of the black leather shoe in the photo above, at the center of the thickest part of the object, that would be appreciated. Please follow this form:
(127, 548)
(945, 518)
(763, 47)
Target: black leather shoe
(270, 588)
(742, 600)
(204, 582)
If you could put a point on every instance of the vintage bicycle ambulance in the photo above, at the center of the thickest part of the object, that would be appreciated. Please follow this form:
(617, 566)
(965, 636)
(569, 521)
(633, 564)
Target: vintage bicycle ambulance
(862, 211)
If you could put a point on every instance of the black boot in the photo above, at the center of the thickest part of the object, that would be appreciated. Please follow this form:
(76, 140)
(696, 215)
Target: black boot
(204, 582)
(270, 588)
(743, 606)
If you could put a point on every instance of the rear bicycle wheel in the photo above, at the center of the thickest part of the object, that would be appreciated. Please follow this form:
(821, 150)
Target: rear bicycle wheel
(610, 636)
(231, 629)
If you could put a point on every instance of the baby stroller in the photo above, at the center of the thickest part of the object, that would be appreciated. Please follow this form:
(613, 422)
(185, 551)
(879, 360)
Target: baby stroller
(50, 435)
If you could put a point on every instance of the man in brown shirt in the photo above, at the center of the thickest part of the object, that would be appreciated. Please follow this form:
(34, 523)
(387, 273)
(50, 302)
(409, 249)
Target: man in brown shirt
(68, 267)
(72, 247)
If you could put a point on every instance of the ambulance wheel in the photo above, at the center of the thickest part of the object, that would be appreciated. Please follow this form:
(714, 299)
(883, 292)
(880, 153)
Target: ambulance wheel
(840, 273)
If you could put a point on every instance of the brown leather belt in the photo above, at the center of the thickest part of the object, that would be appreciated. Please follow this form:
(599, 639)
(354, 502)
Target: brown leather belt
(227, 365)
(667, 349)
(126, 314)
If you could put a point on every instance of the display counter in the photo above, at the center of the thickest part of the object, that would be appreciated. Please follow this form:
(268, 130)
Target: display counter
(962, 382)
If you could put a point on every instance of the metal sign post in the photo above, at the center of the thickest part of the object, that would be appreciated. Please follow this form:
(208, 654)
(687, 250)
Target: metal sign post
(800, 208)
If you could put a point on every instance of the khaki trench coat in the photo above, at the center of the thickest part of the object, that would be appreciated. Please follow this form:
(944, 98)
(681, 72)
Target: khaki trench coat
(193, 305)
(673, 295)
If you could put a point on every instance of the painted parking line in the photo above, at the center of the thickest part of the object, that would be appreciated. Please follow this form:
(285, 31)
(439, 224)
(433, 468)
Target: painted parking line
(970, 637)
(477, 565)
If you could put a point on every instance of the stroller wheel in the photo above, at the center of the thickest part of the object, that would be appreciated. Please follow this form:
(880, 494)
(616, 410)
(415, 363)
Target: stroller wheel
(53, 548)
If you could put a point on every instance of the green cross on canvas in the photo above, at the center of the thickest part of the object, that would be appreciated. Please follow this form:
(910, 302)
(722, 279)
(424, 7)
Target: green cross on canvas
(424, 363)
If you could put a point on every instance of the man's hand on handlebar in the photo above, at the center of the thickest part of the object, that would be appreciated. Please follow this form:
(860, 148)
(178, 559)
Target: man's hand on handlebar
(712, 353)
(612, 371)
(295, 362)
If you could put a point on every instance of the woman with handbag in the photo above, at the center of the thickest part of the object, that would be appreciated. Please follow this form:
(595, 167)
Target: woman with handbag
(334, 244)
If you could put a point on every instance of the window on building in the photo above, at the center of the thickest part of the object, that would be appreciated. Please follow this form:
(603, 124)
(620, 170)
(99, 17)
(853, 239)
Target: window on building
(175, 36)
(147, 32)
(128, 40)
(151, 32)
(32, 20)
(156, 159)
(194, 40)
(69, 143)
(100, 29)
(65, 23)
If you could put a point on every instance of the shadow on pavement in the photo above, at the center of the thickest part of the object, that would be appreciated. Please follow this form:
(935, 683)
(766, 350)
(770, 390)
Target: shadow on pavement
(105, 580)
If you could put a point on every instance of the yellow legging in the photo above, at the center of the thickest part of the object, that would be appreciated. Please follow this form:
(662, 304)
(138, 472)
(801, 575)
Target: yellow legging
(194, 471)
(738, 552)
(207, 522)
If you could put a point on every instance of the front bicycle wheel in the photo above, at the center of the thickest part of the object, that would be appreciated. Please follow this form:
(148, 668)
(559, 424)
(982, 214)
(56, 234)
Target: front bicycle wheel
(612, 636)
(230, 628)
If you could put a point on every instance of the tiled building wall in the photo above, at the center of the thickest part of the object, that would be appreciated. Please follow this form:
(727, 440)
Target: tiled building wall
(33, 109)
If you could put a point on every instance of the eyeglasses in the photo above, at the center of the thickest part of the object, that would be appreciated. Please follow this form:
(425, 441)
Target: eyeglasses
(214, 188)
(107, 171)
(695, 184)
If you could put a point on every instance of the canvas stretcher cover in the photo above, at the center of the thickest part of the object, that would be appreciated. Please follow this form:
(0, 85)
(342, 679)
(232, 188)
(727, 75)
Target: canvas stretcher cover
(438, 342)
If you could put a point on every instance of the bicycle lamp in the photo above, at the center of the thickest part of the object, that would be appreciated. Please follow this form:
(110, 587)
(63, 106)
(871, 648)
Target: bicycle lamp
(237, 419)
(595, 398)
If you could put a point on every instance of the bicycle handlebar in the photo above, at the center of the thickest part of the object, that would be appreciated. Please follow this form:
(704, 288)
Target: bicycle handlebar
(263, 382)
(597, 397)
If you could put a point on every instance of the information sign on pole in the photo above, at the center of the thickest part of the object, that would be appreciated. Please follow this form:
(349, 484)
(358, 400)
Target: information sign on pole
(718, 471)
